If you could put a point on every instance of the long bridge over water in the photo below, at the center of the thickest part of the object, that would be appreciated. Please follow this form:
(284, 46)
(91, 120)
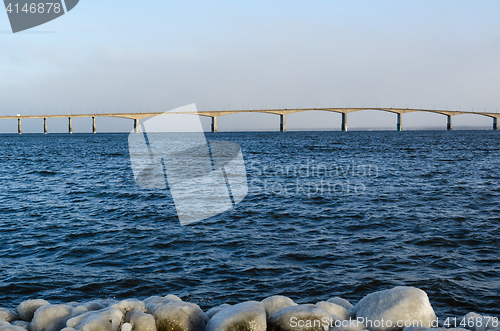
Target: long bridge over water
(280, 112)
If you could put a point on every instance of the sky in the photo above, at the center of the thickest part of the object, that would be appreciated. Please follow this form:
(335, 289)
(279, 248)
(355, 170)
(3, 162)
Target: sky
(118, 56)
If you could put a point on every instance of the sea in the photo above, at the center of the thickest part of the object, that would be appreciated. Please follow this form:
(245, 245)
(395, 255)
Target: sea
(326, 214)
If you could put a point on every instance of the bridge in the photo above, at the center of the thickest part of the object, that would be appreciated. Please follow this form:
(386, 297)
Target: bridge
(280, 112)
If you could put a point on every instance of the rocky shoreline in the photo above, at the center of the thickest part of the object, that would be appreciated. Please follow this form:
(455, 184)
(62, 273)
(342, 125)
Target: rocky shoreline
(400, 308)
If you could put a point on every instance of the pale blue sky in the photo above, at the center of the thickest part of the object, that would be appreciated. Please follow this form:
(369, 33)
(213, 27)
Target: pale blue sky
(126, 55)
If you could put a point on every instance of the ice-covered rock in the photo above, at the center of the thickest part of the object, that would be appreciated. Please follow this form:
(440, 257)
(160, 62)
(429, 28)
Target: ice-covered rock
(103, 320)
(274, 304)
(2, 322)
(246, 316)
(174, 315)
(126, 327)
(141, 321)
(341, 302)
(50, 317)
(212, 311)
(335, 309)
(391, 309)
(476, 322)
(11, 328)
(25, 325)
(129, 305)
(98, 305)
(348, 325)
(27, 309)
(301, 318)
(8, 315)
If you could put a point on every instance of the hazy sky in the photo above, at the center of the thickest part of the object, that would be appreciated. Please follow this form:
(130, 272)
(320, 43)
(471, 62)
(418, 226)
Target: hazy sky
(132, 55)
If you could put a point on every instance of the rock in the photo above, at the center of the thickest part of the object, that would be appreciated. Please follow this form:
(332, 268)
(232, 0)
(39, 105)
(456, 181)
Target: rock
(129, 305)
(75, 320)
(27, 309)
(25, 325)
(172, 314)
(8, 315)
(341, 302)
(11, 328)
(384, 310)
(126, 327)
(348, 325)
(141, 321)
(335, 309)
(103, 320)
(2, 322)
(274, 304)
(212, 311)
(476, 322)
(301, 318)
(97, 305)
(50, 317)
(246, 316)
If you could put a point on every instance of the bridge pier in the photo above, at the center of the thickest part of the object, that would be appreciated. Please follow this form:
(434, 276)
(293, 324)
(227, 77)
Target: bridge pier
(400, 123)
(495, 123)
(137, 125)
(70, 126)
(93, 125)
(344, 122)
(282, 123)
(449, 127)
(19, 130)
(214, 124)
(45, 131)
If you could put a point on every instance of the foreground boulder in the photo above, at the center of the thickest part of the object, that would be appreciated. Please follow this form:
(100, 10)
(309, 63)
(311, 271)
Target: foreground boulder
(172, 314)
(108, 319)
(11, 328)
(8, 315)
(50, 318)
(141, 321)
(246, 316)
(301, 318)
(341, 302)
(335, 309)
(212, 311)
(27, 309)
(387, 310)
(274, 304)
(476, 322)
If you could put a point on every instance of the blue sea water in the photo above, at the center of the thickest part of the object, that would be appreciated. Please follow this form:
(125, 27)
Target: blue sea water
(327, 214)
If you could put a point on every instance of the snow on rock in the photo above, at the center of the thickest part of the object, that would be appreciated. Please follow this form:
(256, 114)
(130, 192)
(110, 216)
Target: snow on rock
(335, 309)
(98, 304)
(476, 322)
(348, 325)
(50, 317)
(27, 309)
(2, 322)
(246, 316)
(341, 302)
(274, 304)
(108, 319)
(301, 318)
(8, 315)
(382, 311)
(212, 311)
(126, 327)
(25, 325)
(129, 305)
(11, 328)
(140, 321)
(172, 314)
